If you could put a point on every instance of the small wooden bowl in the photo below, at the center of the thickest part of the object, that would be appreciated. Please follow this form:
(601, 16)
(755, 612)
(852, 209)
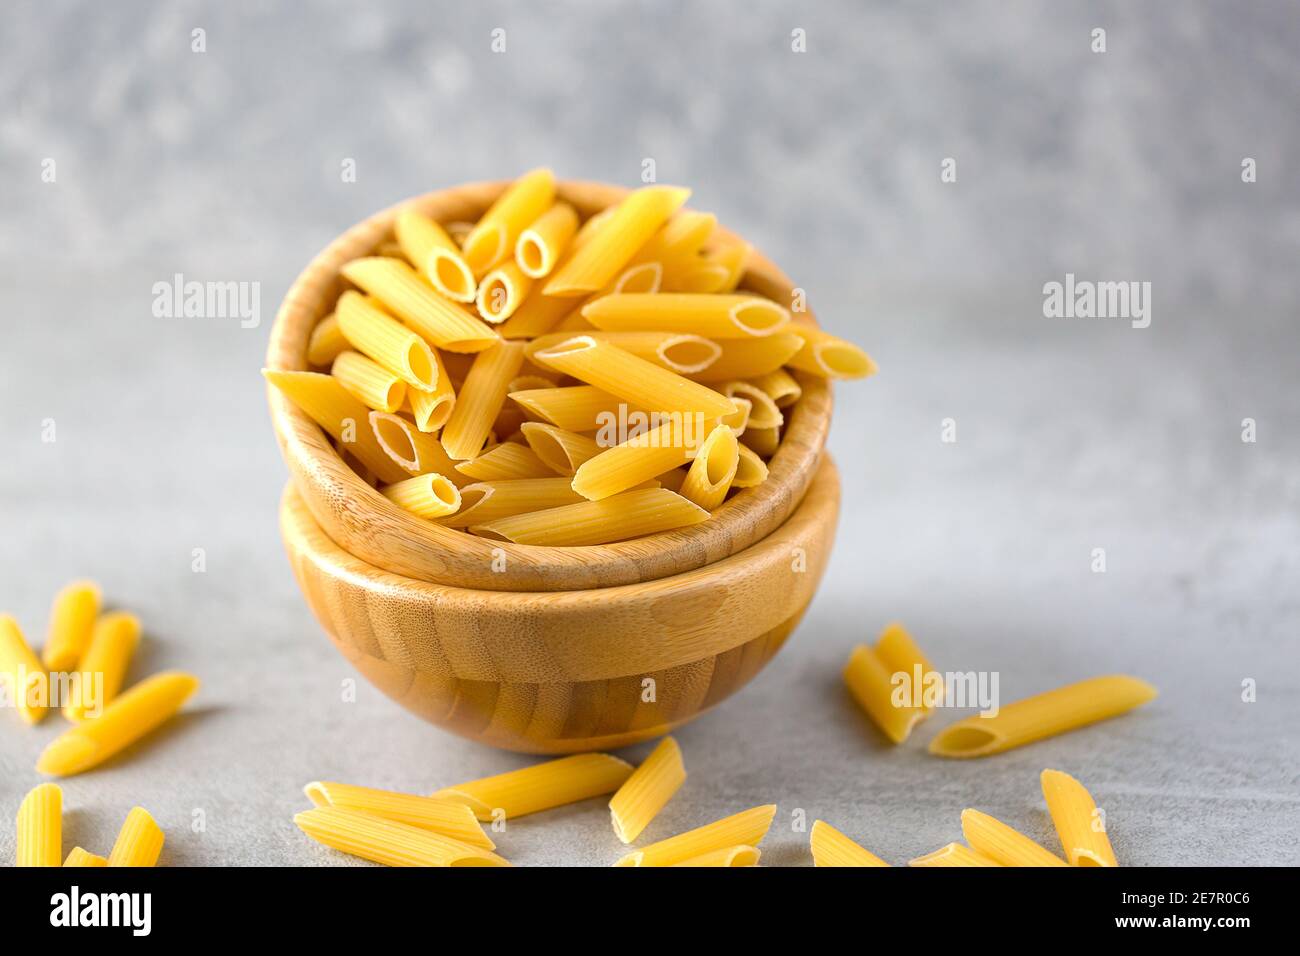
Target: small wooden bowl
(555, 673)
(366, 524)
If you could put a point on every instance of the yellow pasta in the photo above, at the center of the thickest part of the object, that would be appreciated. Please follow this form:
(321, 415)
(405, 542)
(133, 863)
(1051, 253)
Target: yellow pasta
(408, 296)
(493, 238)
(751, 358)
(104, 665)
(954, 854)
(763, 412)
(480, 399)
(504, 462)
(411, 450)
(454, 820)
(728, 856)
(611, 248)
(387, 841)
(83, 858)
(647, 791)
(575, 324)
(639, 382)
(40, 827)
(326, 342)
(871, 683)
(710, 475)
(339, 413)
(1043, 715)
(430, 249)
(645, 278)
(139, 842)
(629, 515)
(642, 456)
(780, 386)
(486, 501)
(676, 246)
(542, 786)
(368, 381)
(502, 291)
(764, 441)
(713, 316)
(1002, 844)
(427, 496)
(72, 619)
(432, 409)
(678, 352)
(577, 408)
(537, 315)
(375, 333)
(746, 828)
(561, 451)
(830, 357)
(143, 708)
(830, 847)
(22, 673)
(1079, 824)
(751, 470)
(541, 244)
(459, 231)
(718, 272)
(901, 655)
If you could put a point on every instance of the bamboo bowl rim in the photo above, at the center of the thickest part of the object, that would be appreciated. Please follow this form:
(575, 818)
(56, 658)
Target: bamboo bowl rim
(365, 523)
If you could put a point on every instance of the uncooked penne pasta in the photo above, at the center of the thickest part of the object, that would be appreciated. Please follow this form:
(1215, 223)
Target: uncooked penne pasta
(751, 358)
(427, 496)
(746, 828)
(751, 470)
(629, 515)
(830, 847)
(678, 352)
(486, 501)
(870, 681)
(1079, 824)
(728, 856)
(715, 273)
(411, 450)
(502, 291)
(139, 842)
(1002, 844)
(764, 441)
(954, 855)
(830, 357)
(763, 412)
(102, 670)
(647, 790)
(523, 383)
(368, 381)
(677, 244)
(22, 673)
(540, 245)
(600, 259)
(504, 462)
(410, 297)
(326, 342)
(387, 841)
(542, 786)
(780, 386)
(641, 457)
(480, 399)
(40, 827)
(432, 409)
(493, 238)
(713, 316)
(646, 279)
(83, 858)
(576, 408)
(710, 475)
(459, 231)
(431, 250)
(72, 620)
(901, 655)
(537, 315)
(1043, 715)
(373, 332)
(561, 451)
(451, 819)
(139, 710)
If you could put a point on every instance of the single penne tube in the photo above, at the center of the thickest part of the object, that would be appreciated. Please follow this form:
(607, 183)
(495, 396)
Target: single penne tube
(326, 342)
(1043, 715)
(678, 352)
(447, 817)
(616, 240)
(135, 713)
(429, 248)
(746, 828)
(751, 358)
(72, 621)
(376, 334)
(639, 382)
(406, 294)
(764, 441)
(642, 457)
(411, 450)
(1079, 824)
(711, 473)
(504, 462)
(644, 278)
(339, 413)
(102, 669)
(502, 291)
(542, 786)
(751, 470)
(480, 399)
(629, 515)
(493, 238)
(432, 409)
(388, 842)
(738, 421)
(540, 246)
(369, 382)
(830, 847)
(763, 412)
(562, 451)
(83, 858)
(954, 854)
(1002, 844)
(22, 673)
(713, 316)
(896, 650)
(486, 501)
(40, 827)
(140, 841)
(871, 684)
(727, 856)
(830, 357)
(715, 273)
(428, 496)
(647, 790)
(575, 408)
(780, 386)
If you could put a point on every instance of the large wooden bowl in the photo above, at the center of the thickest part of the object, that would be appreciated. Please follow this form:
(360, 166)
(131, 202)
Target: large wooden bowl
(364, 523)
(560, 672)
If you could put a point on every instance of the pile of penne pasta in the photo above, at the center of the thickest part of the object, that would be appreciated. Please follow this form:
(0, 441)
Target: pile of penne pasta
(537, 379)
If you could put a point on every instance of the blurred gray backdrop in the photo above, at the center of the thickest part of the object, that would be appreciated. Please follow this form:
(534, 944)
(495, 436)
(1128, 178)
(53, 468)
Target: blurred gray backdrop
(1072, 434)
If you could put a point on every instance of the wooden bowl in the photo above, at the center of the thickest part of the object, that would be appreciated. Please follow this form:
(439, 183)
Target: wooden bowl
(555, 673)
(366, 524)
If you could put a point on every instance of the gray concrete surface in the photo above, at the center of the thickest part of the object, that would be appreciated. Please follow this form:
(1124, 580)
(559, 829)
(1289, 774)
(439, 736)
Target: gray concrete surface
(1073, 434)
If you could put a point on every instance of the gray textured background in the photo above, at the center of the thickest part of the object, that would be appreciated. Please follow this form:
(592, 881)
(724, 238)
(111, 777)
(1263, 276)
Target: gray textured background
(1072, 434)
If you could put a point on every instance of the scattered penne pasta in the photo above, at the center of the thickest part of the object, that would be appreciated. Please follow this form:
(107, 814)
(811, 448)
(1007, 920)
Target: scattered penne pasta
(22, 673)
(388, 842)
(728, 856)
(83, 858)
(72, 620)
(542, 786)
(40, 827)
(830, 847)
(1079, 823)
(954, 854)
(103, 667)
(449, 818)
(1003, 844)
(648, 790)
(139, 842)
(746, 828)
(893, 682)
